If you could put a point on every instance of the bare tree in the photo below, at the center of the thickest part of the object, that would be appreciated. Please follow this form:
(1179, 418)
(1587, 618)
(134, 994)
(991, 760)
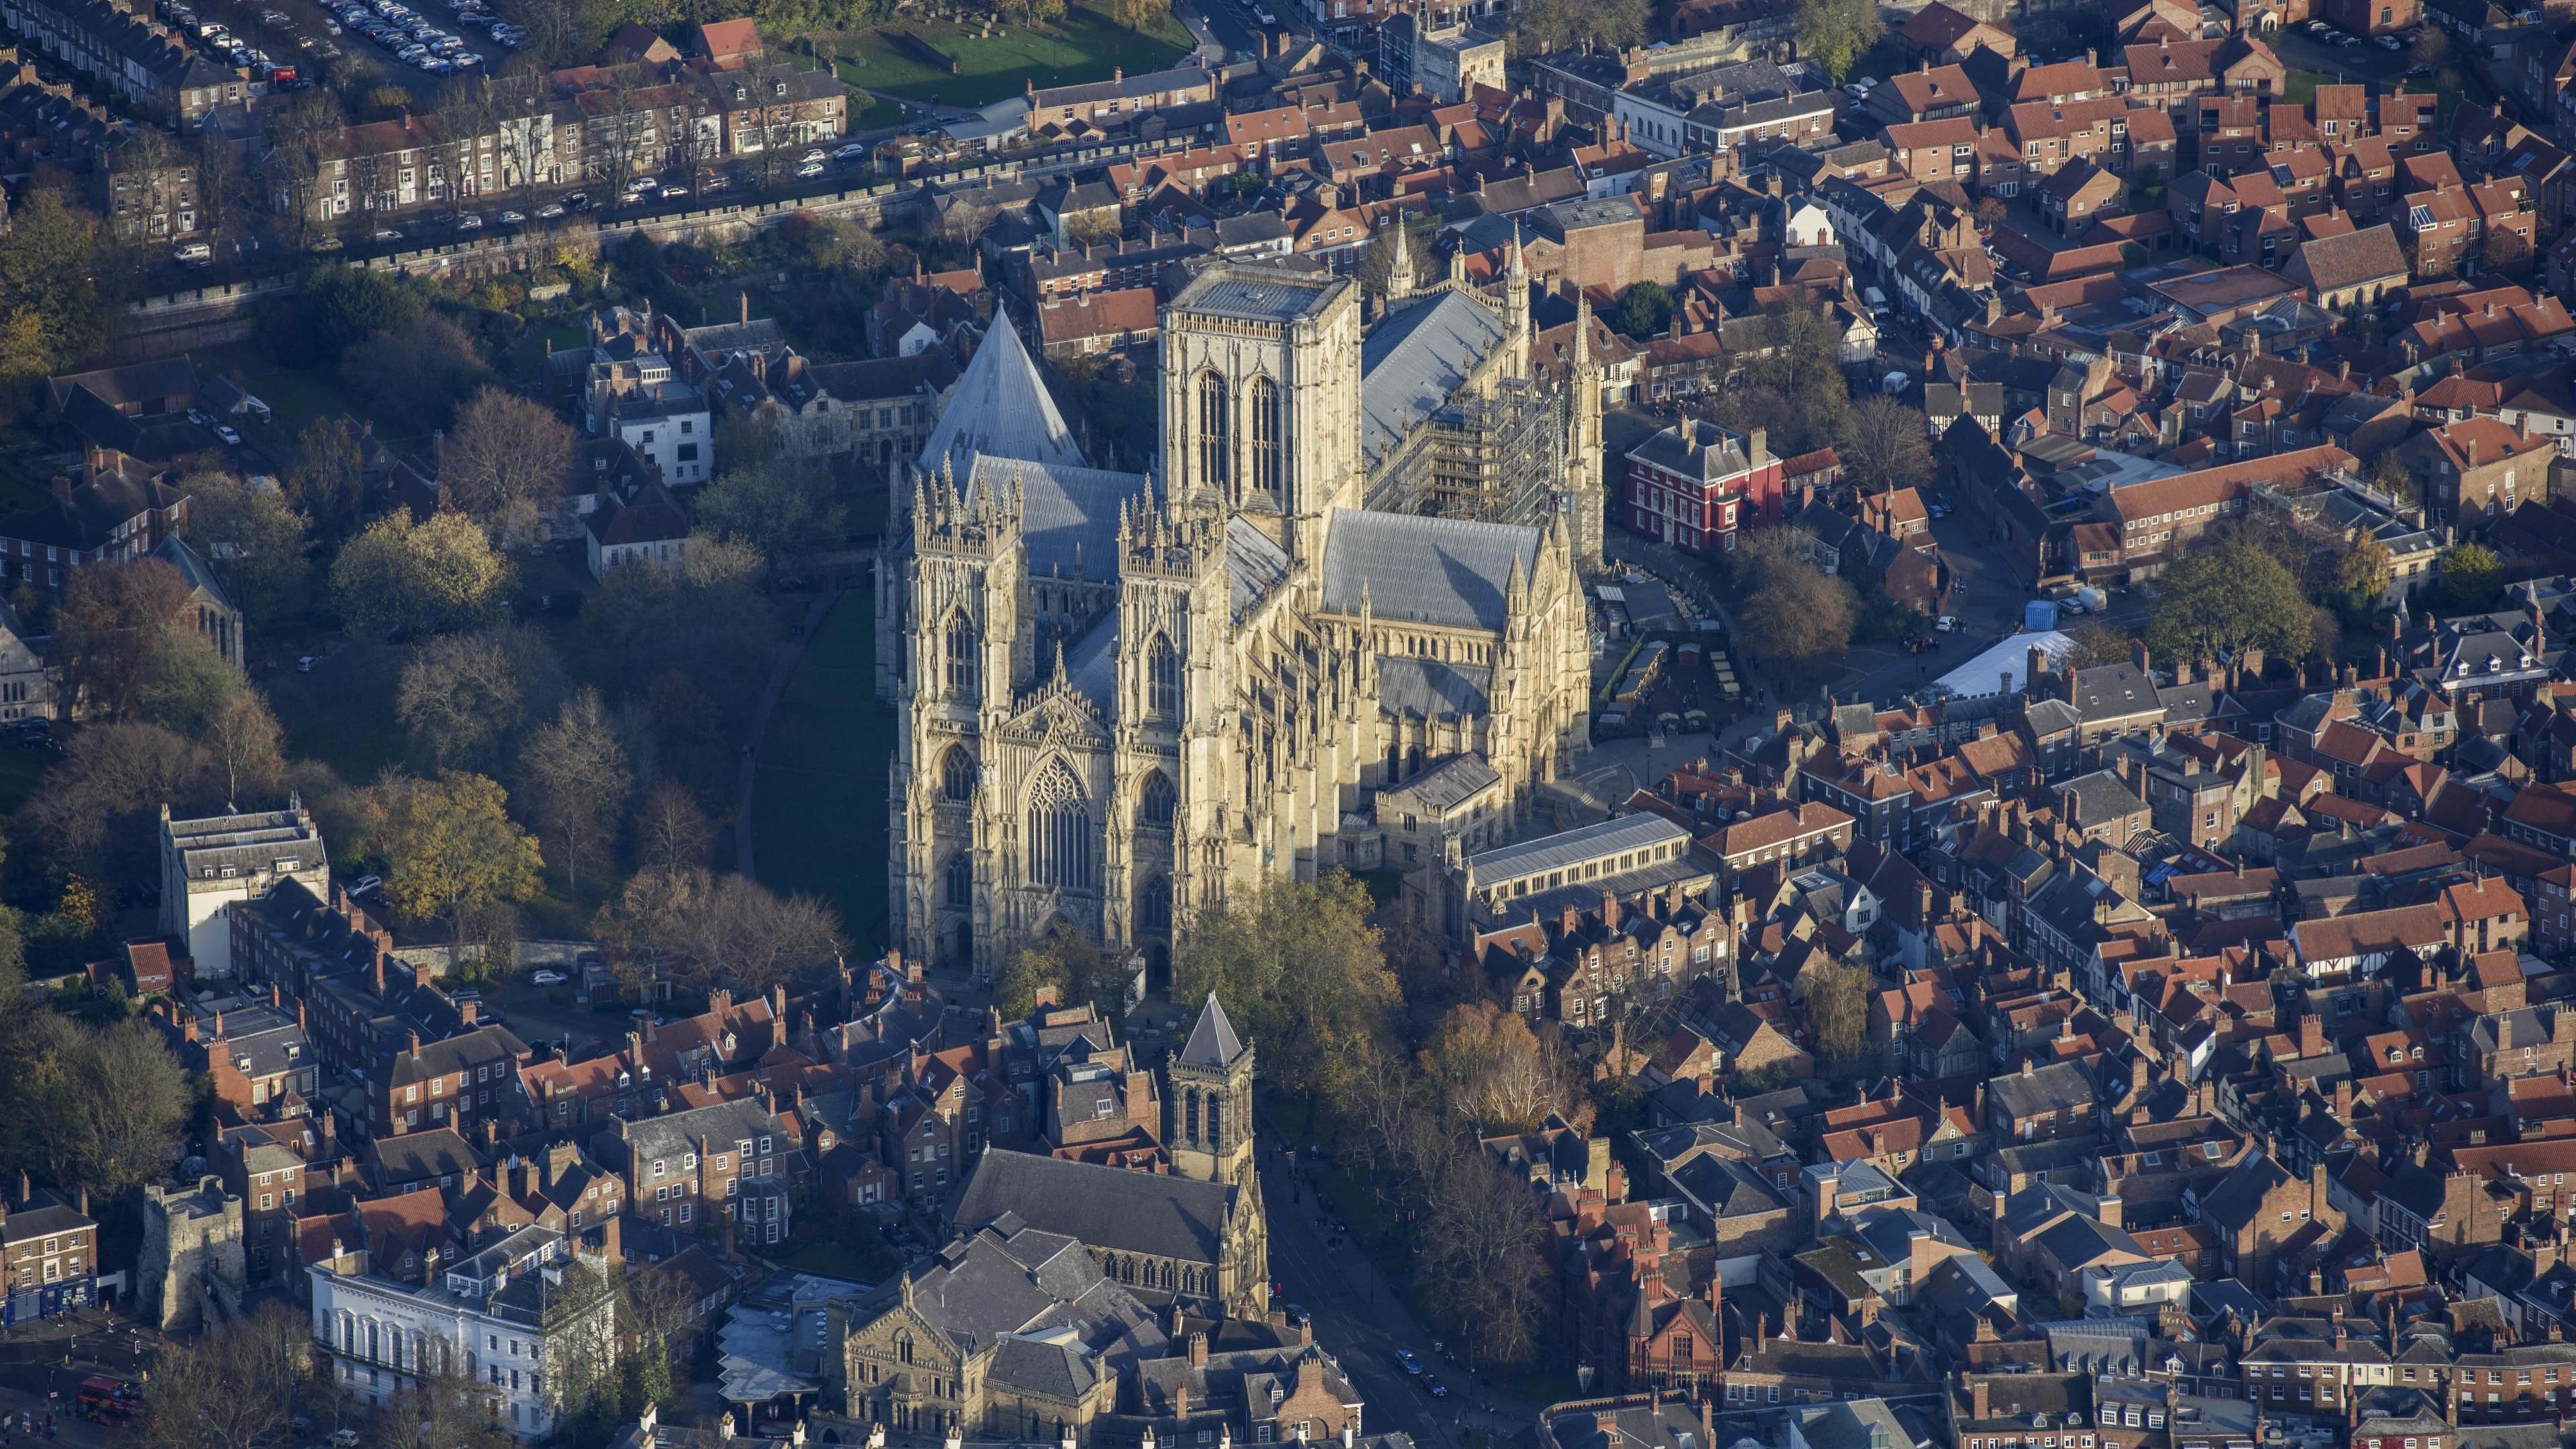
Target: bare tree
(671, 832)
(577, 776)
(505, 462)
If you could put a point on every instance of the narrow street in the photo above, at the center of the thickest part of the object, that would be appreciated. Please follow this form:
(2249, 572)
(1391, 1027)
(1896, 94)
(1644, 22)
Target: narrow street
(1361, 1319)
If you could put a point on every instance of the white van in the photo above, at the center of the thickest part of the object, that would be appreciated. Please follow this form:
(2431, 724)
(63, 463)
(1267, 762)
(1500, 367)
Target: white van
(193, 253)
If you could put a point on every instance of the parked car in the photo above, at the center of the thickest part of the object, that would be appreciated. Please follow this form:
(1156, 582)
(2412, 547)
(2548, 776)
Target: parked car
(1412, 1363)
(549, 978)
(305, 664)
(469, 222)
(389, 233)
(1947, 623)
(231, 439)
(855, 151)
(551, 210)
(512, 218)
(365, 883)
(578, 201)
(809, 170)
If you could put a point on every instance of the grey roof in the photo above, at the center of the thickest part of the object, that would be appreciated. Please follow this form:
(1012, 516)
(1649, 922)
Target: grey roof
(1452, 782)
(175, 552)
(679, 1133)
(2114, 691)
(1212, 1042)
(2052, 1088)
(1431, 689)
(1001, 407)
(1255, 563)
(1259, 293)
(1092, 663)
(1101, 1207)
(2102, 796)
(1448, 571)
(2074, 1241)
(1414, 361)
(1068, 512)
(1574, 847)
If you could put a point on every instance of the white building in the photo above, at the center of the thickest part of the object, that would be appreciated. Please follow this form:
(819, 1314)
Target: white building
(483, 1315)
(208, 864)
(667, 426)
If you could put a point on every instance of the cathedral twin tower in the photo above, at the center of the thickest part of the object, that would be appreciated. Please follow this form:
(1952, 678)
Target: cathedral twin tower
(1125, 697)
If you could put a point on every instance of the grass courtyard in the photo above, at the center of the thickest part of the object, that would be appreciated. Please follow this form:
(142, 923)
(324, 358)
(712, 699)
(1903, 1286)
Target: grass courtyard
(1086, 45)
(818, 821)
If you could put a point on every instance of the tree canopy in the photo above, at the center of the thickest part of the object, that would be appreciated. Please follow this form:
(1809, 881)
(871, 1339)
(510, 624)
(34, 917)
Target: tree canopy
(423, 578)
(1301, 972)
(2228, 596)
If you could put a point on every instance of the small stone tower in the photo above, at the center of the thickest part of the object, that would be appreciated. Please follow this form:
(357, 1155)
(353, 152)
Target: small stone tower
(192, 1260)
(1207, 1102)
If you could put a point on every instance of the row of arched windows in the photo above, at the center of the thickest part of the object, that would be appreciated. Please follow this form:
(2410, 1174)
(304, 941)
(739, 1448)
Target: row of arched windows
(1264, 424)
(1160, 1273)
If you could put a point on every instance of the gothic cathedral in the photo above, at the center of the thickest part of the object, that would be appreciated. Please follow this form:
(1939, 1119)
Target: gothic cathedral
(1124, 697)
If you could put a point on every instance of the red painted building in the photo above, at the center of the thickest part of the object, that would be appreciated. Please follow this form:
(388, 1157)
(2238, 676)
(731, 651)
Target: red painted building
(1695, 485)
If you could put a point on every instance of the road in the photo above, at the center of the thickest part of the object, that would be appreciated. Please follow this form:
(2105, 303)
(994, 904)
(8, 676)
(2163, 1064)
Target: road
(1360, 1320)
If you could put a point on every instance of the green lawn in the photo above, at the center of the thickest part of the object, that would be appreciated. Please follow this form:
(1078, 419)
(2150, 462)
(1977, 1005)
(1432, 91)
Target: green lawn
(2299, 87)
(1085, 45)
(19, 772)
(818, 818)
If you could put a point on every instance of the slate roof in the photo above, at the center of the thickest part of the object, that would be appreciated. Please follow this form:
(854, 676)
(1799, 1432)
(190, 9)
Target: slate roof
(1414, 361)
(1447, 571)
(1258, 293)
(1068, 512)
(2052, 1088)
(1431, 689)
(1101, 1207)
(1212, 1042)
(1001, 408)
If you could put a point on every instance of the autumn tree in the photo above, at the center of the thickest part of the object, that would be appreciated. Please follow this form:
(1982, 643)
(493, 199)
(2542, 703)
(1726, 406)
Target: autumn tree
(448, 1409)
(416, 376)
(576, 776)
(56, 302)
(113, 1116)
(1836, 1013)
(1884, 444)
(1301, 971)
(253, 539)
(2226, 597)
(1792, 609)
(463, 698)
(506, 461)
(328, 483)
(785, 508)
(1067, 963)
(425, 578)
(1498, 1074)
(1834, 33)
(111, 616)
(452, 851)
(1796, 359)
(94, 814)
(2362, 572)
(1553, 25)
(2469, 574)
(707, 929)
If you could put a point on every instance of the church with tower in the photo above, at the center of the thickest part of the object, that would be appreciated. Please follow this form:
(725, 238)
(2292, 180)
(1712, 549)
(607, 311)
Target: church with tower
(1196, 1233)
(1125, 697)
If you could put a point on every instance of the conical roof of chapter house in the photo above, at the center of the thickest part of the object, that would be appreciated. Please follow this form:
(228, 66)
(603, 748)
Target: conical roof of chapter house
(1001, 410)
(1212, 1042)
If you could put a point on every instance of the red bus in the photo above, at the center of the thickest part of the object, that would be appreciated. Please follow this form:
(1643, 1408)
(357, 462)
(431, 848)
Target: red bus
(104, 1400)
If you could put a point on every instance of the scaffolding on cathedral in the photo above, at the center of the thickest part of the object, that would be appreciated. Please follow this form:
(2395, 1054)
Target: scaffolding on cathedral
(1497, 458)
